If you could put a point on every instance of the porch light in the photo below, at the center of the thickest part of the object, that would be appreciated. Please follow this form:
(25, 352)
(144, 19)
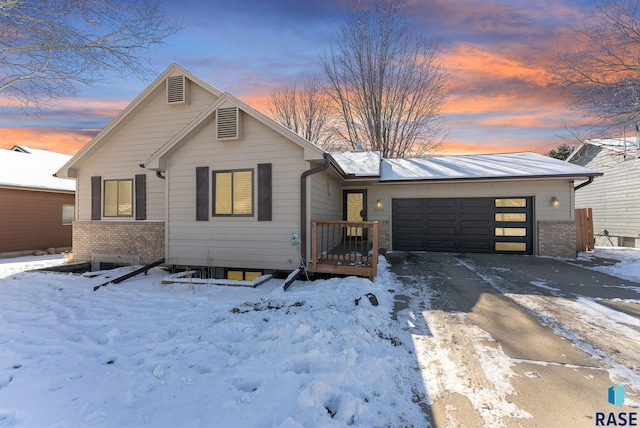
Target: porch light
(378, 205)
(554, 201)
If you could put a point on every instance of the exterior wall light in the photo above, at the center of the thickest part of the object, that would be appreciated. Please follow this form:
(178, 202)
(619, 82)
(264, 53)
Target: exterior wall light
(554, 201)
(378, 205)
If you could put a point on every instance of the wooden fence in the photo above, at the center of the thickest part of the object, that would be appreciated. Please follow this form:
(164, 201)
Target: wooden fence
(585, 240)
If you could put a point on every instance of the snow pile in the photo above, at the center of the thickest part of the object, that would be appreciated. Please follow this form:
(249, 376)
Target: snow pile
(627, 266)
(142, 353)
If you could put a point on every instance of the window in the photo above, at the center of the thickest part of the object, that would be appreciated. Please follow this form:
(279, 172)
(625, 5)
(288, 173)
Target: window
(511, 217)
(118, 198)
(68, 214)
(233, 193)
(512, 202)
(511, 231)
(511, 246)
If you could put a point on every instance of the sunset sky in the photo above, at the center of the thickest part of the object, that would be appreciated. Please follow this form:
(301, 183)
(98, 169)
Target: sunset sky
(500, 54)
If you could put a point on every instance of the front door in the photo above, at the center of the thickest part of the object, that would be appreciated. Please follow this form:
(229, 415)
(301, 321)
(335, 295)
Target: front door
(355, 209)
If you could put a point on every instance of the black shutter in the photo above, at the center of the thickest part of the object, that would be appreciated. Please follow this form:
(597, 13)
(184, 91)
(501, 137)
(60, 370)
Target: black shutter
(96, 198)
(202, 193)
(141, 196)
(264, 192)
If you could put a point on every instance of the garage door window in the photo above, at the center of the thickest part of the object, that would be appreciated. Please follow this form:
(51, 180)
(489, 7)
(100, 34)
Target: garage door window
(511, 202)
(511, 231)
(511, 217)
(511, 246)
(508, 232)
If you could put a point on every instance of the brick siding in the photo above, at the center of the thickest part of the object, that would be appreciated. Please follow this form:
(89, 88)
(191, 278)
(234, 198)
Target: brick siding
(557, 239)
(142, 241)
(384, 234)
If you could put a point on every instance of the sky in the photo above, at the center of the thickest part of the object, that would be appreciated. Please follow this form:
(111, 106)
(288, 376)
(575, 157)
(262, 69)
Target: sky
(504, 96)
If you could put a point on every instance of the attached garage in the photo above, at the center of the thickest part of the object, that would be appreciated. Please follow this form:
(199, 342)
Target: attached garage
(486, 225)
(511, 203)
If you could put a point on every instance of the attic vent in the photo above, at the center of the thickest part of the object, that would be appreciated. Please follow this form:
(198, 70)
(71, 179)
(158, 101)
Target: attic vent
(176, 90)
(228, 123)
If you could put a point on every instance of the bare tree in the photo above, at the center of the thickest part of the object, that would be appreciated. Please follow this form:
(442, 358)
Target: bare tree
(306, 111)
(601, 69)
(49, 48)
(387, 84)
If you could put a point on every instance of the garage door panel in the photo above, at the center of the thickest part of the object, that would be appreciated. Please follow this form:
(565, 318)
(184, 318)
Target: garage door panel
(435, 245)
(411, 217)
(475, 247)
(496, 224)
(443, 230)
(479, 231)
(440, 216)
(483, 217)
(411, 230)
(445, 202)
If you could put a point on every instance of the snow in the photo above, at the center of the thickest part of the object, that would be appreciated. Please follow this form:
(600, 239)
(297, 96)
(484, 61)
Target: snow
(627, 266)
(503, 165)
(361, 164)
(144, 353)
(33, 169)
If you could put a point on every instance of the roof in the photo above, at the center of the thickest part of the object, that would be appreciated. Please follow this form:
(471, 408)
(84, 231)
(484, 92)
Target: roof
(24, 167)
(359, 164)
(629, 146)
(489, 166)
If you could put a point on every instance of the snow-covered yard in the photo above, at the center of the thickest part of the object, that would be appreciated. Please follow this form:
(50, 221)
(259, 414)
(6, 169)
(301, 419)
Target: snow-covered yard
(142, 353)
(145, 354)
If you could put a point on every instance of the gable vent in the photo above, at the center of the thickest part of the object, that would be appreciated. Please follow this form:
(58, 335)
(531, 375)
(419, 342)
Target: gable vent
(176, 90)
(228, 123)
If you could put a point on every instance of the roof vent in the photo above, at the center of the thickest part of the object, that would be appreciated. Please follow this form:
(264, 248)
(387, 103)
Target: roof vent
(176, 90)
(228, 123)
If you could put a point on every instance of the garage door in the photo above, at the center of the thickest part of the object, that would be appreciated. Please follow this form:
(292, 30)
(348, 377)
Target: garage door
(478, 225)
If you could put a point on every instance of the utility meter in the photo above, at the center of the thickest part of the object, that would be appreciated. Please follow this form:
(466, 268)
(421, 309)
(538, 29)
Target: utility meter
(295, 239)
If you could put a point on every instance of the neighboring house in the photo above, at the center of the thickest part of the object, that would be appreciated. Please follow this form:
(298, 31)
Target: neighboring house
(193, 175)
(615, 197)
(36, 208)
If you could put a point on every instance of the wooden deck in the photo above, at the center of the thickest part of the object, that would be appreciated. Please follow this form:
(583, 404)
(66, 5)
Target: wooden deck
(344, 248)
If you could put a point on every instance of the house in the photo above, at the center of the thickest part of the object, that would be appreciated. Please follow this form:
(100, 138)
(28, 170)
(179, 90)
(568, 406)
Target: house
(36, 208)
(615, 197)
(193, 175)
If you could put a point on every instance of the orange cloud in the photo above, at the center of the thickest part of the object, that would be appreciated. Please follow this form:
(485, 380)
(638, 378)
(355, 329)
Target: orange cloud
(55, 140)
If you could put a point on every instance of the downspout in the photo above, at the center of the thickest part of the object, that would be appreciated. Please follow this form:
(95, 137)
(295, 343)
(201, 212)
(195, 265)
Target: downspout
(586, 183)
(303, 205)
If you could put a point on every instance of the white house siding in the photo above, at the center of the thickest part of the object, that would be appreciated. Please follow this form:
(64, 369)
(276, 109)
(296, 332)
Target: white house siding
(325, 204)
(614, 197)
(326, 197)
(238, 242)
(540, 190)
(145, 132)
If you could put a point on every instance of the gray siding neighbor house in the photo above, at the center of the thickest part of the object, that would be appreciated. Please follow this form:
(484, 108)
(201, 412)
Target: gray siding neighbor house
(615, 196)
(190, 174)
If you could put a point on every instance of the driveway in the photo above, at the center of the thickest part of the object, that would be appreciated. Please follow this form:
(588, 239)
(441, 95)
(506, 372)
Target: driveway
(513, 341)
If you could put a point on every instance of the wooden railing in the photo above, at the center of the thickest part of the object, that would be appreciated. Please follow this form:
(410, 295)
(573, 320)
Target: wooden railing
(344, 247)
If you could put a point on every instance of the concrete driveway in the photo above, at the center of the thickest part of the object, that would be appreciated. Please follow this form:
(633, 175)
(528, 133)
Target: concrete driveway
(513, 341)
